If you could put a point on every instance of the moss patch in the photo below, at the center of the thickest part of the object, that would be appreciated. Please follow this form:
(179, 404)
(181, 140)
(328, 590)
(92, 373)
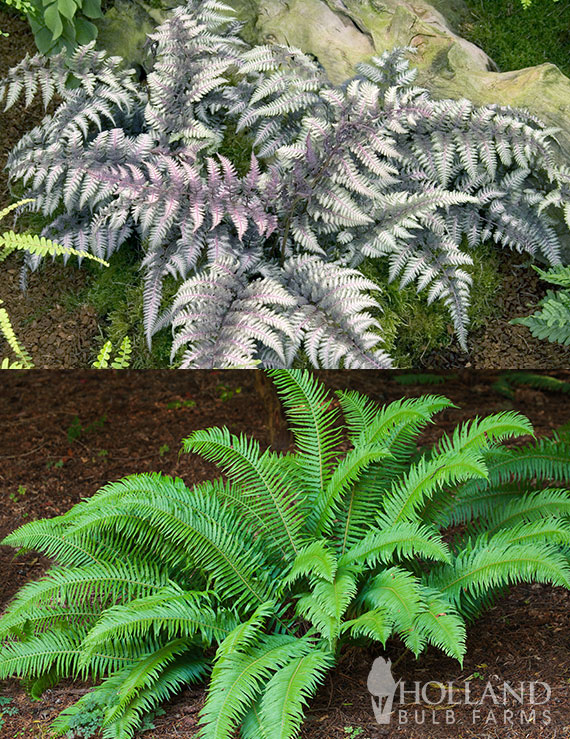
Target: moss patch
(516, 37)
(116, 294)
(412, 329)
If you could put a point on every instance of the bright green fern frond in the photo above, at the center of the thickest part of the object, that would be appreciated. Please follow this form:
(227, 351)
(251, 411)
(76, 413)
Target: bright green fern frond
(247, 633)
(396, 426)
(266, 490)
(42, 247)
(540, 503)
(307, 405)
(441, 625)
(552, 321)
(251, 726)
(325, 606)
(484, 432)
(153, 485)
(375, 624)
(57, 650)
(309, 609)
(23, 359)
(71, 587)
(426, 478)
(48, 536)
(122, 356)
(547, 460)
(168, 614)
(239, 677)
(141, 675)
(398, 593)
(346, 474)
(368, 423)
(14, 206)
(548, 530)
(36, 620)
(475, 571)
(206, 536)
(314, 560)
(288, 691)
(184, 670)
(404, 540)
(335, 597)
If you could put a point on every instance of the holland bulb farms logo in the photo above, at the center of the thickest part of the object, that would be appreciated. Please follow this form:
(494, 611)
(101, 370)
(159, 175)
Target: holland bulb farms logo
(500, 704)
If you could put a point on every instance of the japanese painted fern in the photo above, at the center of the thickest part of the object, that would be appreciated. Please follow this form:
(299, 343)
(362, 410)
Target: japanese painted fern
(262, 187)
(257, 581)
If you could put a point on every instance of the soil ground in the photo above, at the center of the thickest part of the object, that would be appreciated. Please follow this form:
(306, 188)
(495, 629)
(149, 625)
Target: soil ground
(63, 435)
(60, 338)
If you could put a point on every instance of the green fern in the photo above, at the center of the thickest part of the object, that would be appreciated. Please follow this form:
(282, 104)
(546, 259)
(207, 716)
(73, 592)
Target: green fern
(122, 357)
(37, 246)
(552, 321)
(23, 359)
(506, 380)
(259, 580)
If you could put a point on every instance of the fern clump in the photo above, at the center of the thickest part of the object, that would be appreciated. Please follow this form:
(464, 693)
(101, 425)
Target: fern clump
(245, 174)
(256, 581)
(552, 321)
(122, 357)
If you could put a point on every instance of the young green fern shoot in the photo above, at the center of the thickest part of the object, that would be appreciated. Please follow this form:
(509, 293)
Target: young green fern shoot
(22, 358)
(257, 581)
(122, 357)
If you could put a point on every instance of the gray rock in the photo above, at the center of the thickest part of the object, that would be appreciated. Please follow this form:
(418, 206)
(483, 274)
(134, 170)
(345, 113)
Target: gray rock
(124, 27)
(341, 33)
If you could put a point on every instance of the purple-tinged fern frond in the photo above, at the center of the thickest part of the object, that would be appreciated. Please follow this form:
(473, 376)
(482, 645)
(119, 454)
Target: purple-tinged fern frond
(222, 319)
(333, 323)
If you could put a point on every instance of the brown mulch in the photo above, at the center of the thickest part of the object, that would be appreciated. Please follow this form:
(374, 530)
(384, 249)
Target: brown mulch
(498, 344)
(63, 435)
(55, 336)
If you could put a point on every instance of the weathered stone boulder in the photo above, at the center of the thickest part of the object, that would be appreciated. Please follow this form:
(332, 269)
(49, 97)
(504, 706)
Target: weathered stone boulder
(341, 33)
(125, 26)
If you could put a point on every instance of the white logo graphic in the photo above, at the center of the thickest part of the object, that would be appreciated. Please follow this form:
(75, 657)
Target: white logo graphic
(489, 704)
(382, 686)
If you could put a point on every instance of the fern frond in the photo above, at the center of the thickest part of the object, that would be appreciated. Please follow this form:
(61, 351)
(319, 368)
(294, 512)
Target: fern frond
(259, 479)
(306, 405)
(23, 359)
(239, 677)
(313, 560)
(288, 692)
(404, 540)
(474, 572)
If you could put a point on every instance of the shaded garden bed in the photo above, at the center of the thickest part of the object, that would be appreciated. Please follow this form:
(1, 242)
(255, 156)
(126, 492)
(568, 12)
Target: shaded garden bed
(67, 312)
(63, 436)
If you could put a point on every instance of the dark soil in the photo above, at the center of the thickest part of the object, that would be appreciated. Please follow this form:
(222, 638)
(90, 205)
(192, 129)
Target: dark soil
(53, 335)
(498, 344)
(64, 435)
